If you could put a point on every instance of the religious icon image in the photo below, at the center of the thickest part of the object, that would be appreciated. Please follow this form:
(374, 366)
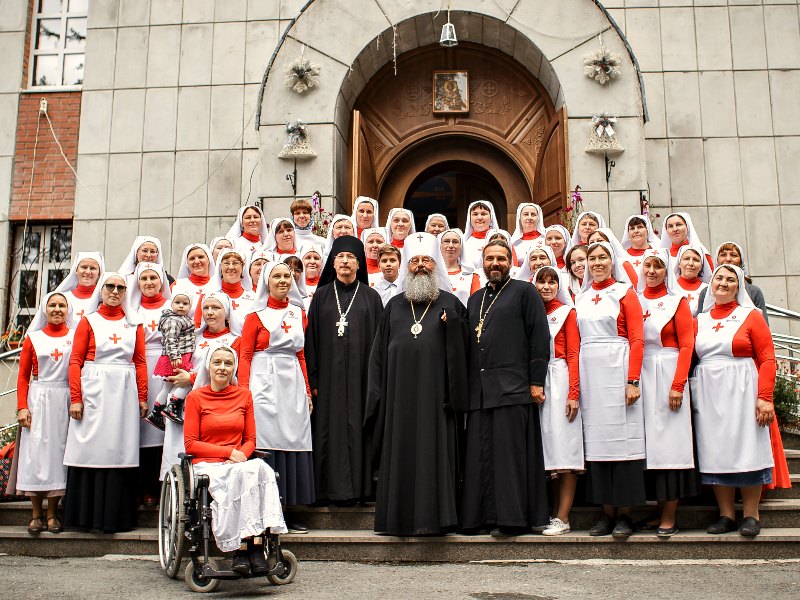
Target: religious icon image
(450, 92)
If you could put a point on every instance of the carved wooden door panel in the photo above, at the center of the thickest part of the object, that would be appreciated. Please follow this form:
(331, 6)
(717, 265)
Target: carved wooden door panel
(550, 180)
(361, 174)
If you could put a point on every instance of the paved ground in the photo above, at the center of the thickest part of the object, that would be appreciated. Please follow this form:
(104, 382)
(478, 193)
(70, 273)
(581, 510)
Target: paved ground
(140, 578)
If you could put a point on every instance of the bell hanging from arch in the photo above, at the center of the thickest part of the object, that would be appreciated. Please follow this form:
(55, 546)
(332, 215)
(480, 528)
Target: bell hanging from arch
(448, 39)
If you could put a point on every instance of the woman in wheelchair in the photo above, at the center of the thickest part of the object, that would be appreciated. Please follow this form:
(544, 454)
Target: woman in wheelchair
(220, 435)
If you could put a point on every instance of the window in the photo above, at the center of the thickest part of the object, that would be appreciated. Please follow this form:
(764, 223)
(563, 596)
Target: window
(41, 260)
(59, 42)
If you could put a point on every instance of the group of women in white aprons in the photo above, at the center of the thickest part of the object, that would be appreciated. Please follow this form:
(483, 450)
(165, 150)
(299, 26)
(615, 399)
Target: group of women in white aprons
(620, 316)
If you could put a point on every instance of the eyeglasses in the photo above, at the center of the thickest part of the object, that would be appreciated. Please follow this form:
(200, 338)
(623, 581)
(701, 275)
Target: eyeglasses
(424, 259)
(111, 288)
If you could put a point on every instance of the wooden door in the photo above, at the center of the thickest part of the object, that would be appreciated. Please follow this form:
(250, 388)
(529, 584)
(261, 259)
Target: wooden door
(361, 174)
(550, 181)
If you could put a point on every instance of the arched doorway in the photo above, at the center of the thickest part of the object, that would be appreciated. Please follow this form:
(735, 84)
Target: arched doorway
(405, 154)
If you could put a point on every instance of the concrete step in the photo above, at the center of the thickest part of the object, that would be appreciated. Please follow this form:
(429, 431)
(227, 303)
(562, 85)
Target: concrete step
(357, 545)
(791, 438)
(775, 512)
(793, 459)
(792, 492)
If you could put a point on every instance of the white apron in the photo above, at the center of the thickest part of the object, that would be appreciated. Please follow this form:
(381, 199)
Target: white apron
(461, 282)
(196, 292)
(612, 431)
(173, 432)
(522, 247)
(724, 394)
(245, 246)
(108, 434)
(276, 381)
(40, 466)
(149, 436)
(562, 441)
(692, 296)
(240, 308)
(80, 306)
(668, 433)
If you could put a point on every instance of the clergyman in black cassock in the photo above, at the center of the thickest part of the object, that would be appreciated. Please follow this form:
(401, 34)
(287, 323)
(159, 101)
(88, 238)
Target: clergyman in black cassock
(337, 373)
(417, 395)
(504, 476)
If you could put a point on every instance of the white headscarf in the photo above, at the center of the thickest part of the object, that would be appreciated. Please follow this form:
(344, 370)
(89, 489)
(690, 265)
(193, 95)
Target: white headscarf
(217, 240)
(663, 255)
(236, 229)
(375, 219)
(247, 282)
(437, 216)
(71, 281)
(271, 242)
(133, 295)
(576, 235)
(525, 273)
(369, 231)
(39, 320)
(424, 244)
(539, 224)
(262, 294)
(742, 297)
(334, 220)
(617, 271)
(220, 297)
(738, 248)
(563, 295)
(97, 298)
(184, 272)
(129, 264)
(691, 232)
(502, 232)
(564, 233)
(652, 238)
(493, 223)
(388, 228)
(461, 259)
(705, 271)
(617, 247)
(203, 377)
(301, 285)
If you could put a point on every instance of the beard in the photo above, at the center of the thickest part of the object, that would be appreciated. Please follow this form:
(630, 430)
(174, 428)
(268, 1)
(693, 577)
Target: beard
(496, 276)
(422, 287)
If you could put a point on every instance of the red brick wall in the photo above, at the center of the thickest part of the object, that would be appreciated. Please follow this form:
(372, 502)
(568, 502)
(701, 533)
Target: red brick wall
(53, 196)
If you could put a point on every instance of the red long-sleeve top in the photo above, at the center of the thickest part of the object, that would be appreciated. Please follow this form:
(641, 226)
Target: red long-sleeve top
(567, 345)
(677, 333)
(753, 340)
(373, 266)
(630, 325)
(29, 364)
(255, 338)
(216, 423)
(631, 273)
(83, 349)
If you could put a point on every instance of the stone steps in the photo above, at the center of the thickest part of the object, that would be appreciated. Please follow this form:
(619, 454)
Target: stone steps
(793, 459)
(359, 545)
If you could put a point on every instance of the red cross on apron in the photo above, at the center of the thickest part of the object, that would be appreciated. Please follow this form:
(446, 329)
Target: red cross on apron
(285, 327)
(596, 299)
(717, 327)
(645, 315)
(153, 325)
(56, 354)
(114, 338)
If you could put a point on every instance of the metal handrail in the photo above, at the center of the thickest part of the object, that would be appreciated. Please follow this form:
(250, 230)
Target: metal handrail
(782, 312)
(10, 353)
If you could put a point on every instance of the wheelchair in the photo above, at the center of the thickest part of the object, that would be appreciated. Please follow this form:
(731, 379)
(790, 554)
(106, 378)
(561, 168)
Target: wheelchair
(184, 520)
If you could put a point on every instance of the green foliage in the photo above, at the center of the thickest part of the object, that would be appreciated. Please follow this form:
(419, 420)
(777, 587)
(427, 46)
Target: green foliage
(787, 402)
(8, 433)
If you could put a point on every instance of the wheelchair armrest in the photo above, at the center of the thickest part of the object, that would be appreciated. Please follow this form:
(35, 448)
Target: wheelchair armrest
(262, 455)
(183, 456)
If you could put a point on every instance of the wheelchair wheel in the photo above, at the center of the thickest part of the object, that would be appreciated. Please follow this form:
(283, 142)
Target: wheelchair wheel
(171, 524)
(290, 565)
(202, 585)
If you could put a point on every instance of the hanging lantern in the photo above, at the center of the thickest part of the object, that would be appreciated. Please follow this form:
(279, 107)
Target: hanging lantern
(448, 39)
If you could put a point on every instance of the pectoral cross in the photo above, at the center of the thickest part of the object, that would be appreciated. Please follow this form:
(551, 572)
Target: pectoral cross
(341, 324)
(479, 330)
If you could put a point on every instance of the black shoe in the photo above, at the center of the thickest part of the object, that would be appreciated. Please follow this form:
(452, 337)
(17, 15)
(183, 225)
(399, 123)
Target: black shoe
(751, 527)
(501, 532)
(155, 418)
(241, 562)
(258, 561)
(623, 529)
(173, 411)
(602, 527)
(667, 532)
(724, 525)
(296, 528)
(646, 525)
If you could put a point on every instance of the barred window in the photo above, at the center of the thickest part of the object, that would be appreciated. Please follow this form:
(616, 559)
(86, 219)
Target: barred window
(59, 42)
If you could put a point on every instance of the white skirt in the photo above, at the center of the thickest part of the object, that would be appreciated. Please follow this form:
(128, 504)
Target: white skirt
(149, 436)
(173, 445)
(562, 441)
(245, 502)
(40, 466)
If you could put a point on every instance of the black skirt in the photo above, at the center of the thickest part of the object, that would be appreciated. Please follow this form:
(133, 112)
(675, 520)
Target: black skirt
(103, 499)
(149, 470)
(619, 483)
(296, 476)
(663, 485)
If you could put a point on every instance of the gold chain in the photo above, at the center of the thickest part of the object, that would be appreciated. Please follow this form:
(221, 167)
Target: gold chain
(482, 315)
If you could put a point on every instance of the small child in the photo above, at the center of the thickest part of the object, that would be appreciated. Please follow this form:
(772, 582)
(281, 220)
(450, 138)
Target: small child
(177, 346)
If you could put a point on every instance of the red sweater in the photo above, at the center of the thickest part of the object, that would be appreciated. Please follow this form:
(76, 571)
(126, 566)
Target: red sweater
(677, 333)
(29, 364)
(255, 338)
(567, 345)
(83, 349)
(216, 423)
(630, 325)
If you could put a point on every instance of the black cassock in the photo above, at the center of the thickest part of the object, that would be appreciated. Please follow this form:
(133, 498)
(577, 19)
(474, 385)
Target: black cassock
(504, 477)
(417, 388)
(337, 369)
